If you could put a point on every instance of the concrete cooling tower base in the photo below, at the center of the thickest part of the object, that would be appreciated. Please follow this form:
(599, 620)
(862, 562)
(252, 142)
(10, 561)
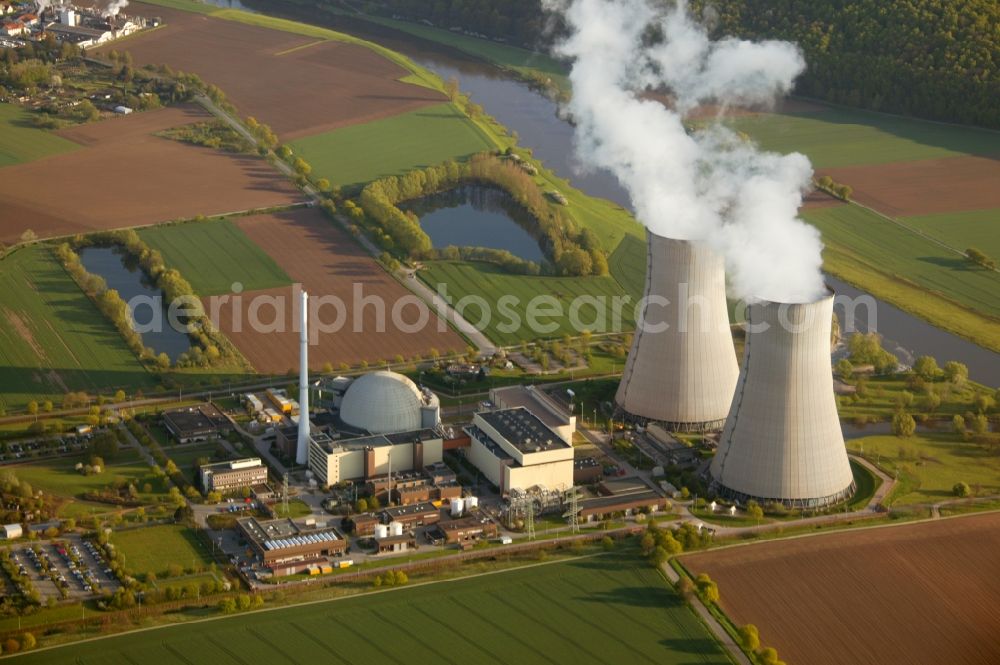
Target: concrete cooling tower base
(782, 441)
(681, 370)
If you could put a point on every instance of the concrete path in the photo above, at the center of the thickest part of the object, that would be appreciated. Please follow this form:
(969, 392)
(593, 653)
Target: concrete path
(713, 624)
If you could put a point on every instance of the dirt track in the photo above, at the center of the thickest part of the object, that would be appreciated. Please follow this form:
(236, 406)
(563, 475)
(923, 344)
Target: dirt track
(921, 593)
(317, 254)
(127, 177)
(924, 187)
(298, 85)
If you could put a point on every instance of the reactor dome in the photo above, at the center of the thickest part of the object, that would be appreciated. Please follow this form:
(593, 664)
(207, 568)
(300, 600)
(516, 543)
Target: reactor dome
(386, 402)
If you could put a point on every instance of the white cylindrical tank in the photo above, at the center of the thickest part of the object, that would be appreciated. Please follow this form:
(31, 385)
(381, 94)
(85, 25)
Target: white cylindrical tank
(396, 528)
(681, 370)
(381, 531)
(67, 16)
(782, 440)
(457, 506)
(471, 502)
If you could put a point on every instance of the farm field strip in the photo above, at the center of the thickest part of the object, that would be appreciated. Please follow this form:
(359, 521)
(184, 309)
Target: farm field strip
(353, 155)
(836, 137)
(499, 618)
(317, 254)
(214, 255)
(973, 228)
(21, 142)
(916, 593)
(53, 339)
(892, 250)
(127, 177)
(297, 91)
(491, 283)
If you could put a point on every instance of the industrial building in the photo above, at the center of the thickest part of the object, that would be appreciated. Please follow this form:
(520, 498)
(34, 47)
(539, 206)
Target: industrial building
(420, 514)
(464, 531)
(362, 458)
(11, 531)
(233, 475)
(552, 412)
(681, 370)
(624, 496)
(288, 548)
(435, 482)
(514, 449)
(196, 423)
(782, 441)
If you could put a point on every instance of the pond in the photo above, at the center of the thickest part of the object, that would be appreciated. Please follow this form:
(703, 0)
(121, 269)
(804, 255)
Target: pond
(473, 216)
(125, 276)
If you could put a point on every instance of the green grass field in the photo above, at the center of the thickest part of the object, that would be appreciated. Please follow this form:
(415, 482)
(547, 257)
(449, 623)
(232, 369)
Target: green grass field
(351, 156)
(839, 137)
(213, 255)
(60, 479)
(976, 228)
(893, 250)
(491, 283)
(627, 265)
(154, 548)
(607, 609)
(22, 142)
(929, 465)
(52, 337)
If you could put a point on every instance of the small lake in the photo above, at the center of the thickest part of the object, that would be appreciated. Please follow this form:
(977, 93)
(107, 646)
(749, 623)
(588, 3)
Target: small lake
(125, 276)
(474, 216)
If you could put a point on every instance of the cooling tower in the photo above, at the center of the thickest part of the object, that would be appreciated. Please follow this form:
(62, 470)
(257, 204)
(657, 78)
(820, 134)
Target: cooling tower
(682, 369)
(782, 440)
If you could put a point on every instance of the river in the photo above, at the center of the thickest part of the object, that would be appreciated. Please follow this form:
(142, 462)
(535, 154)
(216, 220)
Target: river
(537, 121)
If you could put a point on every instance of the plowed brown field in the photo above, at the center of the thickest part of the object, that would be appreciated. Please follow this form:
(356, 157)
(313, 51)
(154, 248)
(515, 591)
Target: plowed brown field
(924, 187)
(128, 177)
(298, 85)
(326, 262)
(921, 593)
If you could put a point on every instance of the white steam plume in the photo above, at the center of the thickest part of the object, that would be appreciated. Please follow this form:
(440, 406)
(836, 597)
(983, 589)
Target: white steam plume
(708, 184)
(114, 7)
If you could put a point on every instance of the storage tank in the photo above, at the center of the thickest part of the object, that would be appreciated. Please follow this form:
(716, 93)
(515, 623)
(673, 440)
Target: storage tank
(782, 440)
(471, 502)
(681, 370)
(457, 506)
(396, 528)
(381, 531)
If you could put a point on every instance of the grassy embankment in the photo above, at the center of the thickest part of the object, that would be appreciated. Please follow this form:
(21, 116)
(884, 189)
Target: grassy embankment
(624, 608)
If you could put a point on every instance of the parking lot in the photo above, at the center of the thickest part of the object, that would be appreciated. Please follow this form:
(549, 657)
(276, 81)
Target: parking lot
(21, 451)
(68, 563)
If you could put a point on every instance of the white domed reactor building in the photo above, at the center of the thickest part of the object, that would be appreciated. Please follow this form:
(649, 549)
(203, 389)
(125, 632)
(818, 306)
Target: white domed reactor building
(386, 425)
(782, 441)
(681, 370)
(386, 403)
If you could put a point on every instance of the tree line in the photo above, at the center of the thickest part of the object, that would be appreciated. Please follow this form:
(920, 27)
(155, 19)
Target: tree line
(571, 250)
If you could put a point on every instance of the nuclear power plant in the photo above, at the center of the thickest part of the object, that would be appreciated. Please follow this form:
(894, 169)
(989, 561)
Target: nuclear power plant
(681, 370)
(782, 441)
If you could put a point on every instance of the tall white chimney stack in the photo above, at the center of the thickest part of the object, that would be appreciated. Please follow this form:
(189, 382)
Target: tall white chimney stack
(302, 449)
